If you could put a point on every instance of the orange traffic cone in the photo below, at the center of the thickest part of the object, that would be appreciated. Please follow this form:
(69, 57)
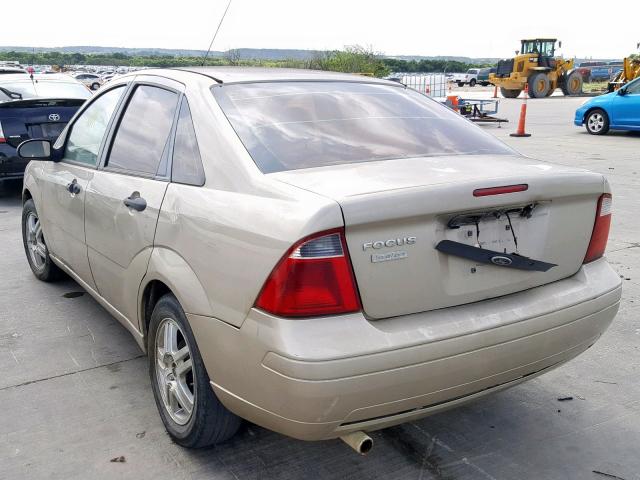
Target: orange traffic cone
(523, 114)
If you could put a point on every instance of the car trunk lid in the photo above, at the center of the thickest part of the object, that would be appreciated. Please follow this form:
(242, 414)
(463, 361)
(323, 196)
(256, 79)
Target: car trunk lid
(397, 212)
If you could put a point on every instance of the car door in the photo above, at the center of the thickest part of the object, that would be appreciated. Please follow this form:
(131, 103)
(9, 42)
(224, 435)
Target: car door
(124, 196)
(625, 111)
(64, 183)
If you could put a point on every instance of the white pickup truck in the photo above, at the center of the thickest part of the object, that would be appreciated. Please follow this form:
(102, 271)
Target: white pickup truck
(470, 78)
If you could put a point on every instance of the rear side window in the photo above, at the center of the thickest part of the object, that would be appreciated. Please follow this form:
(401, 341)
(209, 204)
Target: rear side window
(187, 164)
(88, 130)
(142, 135)
(293, 125)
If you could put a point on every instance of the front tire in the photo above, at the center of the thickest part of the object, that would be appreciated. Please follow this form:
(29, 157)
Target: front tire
(461, 84)
(95, 86)
(597, 122)
(538, 85)
(35, 246)
(508, 93)
(190, 410)
(472, 83)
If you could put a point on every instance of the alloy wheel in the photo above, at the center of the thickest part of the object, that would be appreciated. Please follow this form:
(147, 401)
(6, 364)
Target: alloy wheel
(174, 371)
(595, 122)
(36, 245)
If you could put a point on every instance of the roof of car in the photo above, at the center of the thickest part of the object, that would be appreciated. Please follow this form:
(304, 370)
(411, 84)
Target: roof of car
(259, 74)
(10, 70)
(55, 77)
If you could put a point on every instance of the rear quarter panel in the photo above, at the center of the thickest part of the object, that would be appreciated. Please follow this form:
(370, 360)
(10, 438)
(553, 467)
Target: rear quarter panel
(218, 247)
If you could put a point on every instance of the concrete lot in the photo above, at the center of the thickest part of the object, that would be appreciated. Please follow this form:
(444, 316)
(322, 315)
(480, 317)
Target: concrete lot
(75, 393)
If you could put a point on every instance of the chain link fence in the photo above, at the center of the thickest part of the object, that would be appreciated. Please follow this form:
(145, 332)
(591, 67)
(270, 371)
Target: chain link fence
(432, 84)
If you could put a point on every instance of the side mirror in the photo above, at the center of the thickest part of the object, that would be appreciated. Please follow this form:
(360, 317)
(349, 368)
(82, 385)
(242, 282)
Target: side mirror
(35, 149)
(622, 91)
(560, 44)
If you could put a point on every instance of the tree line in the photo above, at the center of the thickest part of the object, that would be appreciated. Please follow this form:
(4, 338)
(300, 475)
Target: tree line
(352, 59)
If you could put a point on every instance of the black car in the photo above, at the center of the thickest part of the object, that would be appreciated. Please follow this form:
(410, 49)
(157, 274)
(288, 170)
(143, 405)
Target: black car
(35, 106)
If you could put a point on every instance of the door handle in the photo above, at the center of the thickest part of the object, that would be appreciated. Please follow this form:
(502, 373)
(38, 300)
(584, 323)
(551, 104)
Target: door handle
(135, 202)
(73, 187)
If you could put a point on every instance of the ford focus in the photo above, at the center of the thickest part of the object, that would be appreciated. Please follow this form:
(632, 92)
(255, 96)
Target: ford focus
(318, 253)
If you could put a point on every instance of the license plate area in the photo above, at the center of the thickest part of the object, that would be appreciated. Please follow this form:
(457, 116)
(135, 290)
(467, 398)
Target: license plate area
(495, 229)
(508, 236)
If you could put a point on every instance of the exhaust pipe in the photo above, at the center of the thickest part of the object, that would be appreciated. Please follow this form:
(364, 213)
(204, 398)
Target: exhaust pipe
(359, 441)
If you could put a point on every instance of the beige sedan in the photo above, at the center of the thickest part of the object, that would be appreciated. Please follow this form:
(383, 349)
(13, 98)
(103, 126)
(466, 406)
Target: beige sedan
(321, 254)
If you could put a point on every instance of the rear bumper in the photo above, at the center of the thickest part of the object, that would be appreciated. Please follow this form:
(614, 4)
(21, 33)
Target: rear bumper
(11, 166)
(321, 378)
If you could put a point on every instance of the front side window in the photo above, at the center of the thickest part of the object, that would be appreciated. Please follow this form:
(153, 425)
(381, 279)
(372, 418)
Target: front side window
(633, 88)
(87, 132)
(142, 135)
(187, 165)
(293, 125)
(547, 49)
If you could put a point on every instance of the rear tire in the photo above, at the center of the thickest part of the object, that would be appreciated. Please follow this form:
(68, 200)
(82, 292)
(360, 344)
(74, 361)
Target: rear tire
(572, 84)
(95, 86)
(35, 246)
(508, 93)
(192, 414)
(460, 84)
(597, 122)
(538, 85)
(472, 83)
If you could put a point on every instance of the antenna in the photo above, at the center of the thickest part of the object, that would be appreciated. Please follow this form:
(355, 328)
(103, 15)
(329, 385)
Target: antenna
(216, 34)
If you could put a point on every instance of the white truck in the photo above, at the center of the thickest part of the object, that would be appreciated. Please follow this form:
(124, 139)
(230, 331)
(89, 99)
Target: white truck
(470, 78)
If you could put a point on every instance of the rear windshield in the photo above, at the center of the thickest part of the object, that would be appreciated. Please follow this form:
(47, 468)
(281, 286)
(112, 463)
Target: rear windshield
(294, 125)
(42, 89)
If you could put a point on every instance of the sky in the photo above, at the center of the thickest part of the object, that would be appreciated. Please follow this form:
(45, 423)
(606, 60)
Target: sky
(407, 27)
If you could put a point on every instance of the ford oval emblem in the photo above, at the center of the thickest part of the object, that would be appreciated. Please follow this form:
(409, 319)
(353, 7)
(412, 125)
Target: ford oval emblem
(54, 117)
(501, 261)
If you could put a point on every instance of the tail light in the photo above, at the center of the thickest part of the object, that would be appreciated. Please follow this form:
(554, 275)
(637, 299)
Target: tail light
(313, 278)
(600, 233)
(2, 139)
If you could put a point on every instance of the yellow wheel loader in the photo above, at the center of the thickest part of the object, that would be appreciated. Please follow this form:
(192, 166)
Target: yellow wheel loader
(630, 71)
(535, 65)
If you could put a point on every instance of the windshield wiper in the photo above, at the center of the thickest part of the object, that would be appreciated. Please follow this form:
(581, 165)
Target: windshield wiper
(11, 94)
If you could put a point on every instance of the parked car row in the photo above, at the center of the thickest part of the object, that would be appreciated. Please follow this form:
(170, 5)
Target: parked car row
(472, 77)
(91, 76)
(599, 71)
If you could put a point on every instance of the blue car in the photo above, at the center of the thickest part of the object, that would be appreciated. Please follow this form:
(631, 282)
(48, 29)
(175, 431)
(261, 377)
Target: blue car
(37, 106)
(618, 110)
